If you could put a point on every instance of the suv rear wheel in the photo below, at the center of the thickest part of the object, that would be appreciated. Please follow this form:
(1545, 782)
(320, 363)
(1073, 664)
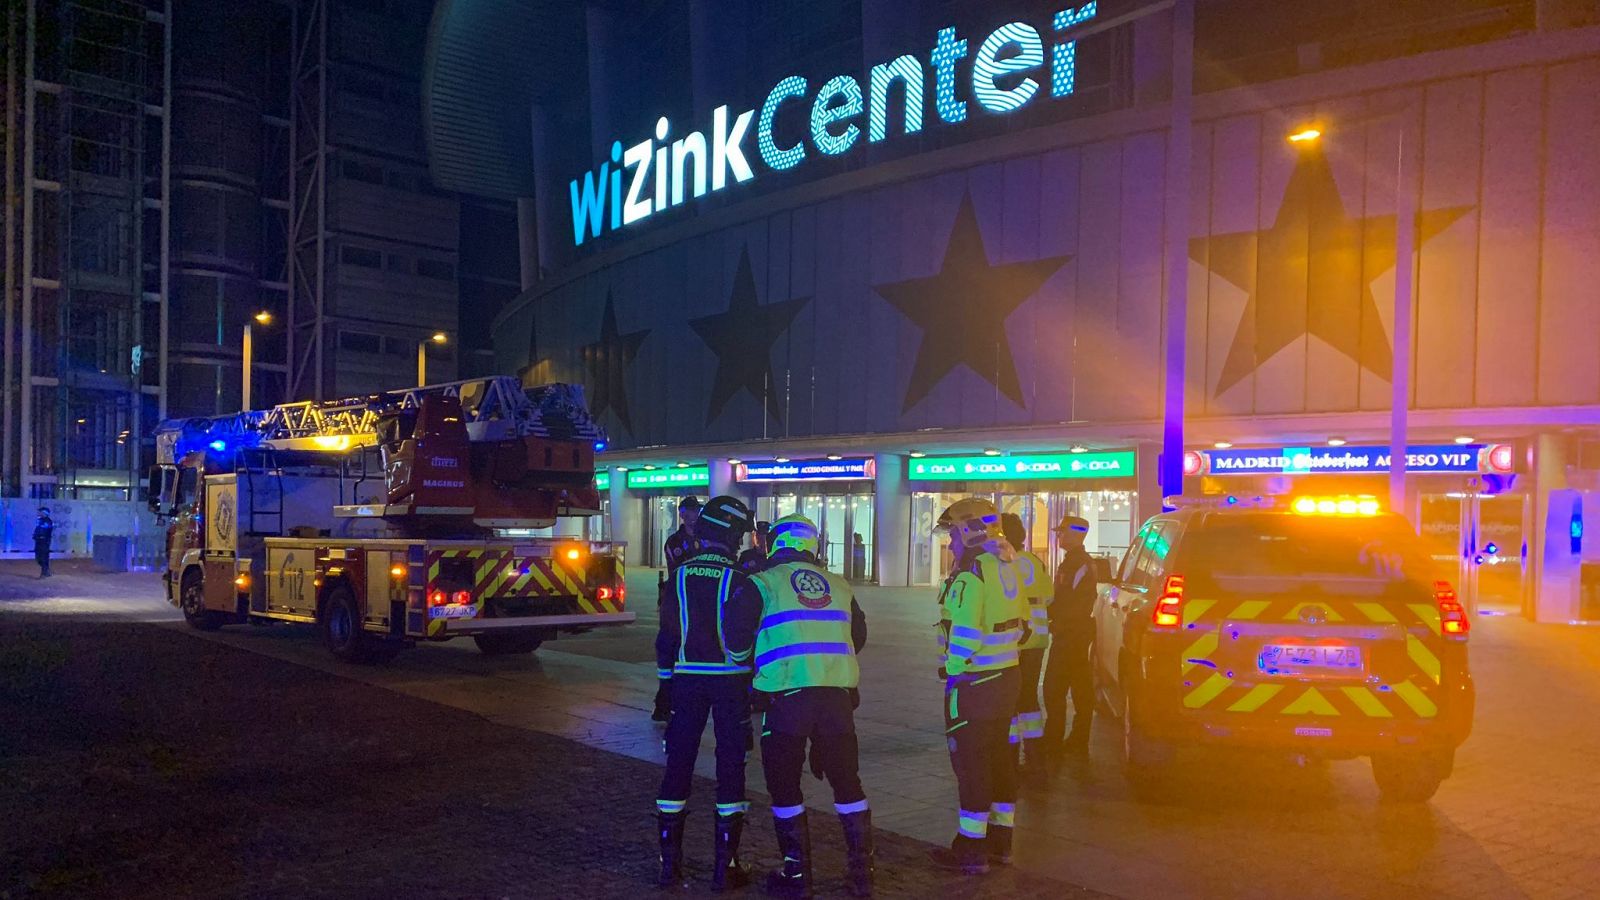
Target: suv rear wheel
(1411, 777)
(1145, 760)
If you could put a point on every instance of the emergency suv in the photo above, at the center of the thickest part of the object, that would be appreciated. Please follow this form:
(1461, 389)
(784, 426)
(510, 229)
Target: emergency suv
(1313, 626)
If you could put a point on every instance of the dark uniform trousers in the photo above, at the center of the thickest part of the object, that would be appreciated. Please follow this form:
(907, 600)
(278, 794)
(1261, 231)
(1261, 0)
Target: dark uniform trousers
(977, 716)
(825, 717)
(1068, 674)
(725, 699)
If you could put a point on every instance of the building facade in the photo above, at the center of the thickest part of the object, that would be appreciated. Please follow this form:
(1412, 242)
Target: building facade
(945, 268)
(177, 168)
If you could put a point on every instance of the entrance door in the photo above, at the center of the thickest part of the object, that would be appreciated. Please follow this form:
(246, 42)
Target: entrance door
(1477, 541)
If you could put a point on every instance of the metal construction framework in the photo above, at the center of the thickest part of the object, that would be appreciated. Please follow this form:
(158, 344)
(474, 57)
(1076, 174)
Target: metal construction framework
(308, 201)
(86, 156)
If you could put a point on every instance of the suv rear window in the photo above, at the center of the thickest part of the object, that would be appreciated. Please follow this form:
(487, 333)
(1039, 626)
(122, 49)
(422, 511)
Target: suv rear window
(1234, 550)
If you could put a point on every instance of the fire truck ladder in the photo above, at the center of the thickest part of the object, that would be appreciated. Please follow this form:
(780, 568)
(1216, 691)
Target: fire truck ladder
(494, 408)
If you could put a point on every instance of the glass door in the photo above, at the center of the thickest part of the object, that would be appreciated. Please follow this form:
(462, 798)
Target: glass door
(859, 522)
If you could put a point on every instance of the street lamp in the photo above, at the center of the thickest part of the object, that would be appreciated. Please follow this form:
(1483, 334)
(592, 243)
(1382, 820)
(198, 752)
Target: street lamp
(1405, 221)
(438, 337)
(261, 318)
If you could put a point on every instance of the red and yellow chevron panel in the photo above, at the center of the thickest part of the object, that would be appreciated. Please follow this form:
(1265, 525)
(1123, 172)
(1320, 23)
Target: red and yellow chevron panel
(1208, 687)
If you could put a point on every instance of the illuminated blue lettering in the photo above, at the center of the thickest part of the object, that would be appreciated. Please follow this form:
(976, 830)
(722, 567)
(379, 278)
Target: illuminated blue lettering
(825, 113)
(1064, 56)
(588, 205)
(616, 185)
(662, 128)
(909, 73)
(988, 67)
(726, 154)
(637, 158)
(793, 86)
(693, 144)
(947, 51)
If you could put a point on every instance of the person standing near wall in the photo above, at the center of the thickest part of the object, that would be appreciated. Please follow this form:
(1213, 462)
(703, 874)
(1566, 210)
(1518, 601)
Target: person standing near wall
(43, 533)
(1072, 632)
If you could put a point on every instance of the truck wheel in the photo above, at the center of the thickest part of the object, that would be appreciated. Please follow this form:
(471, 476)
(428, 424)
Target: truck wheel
(342, 632)
(506, 643)
(192, 600)
(1411, 777)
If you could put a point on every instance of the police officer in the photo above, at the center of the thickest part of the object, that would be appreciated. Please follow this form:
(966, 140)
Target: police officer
(982, 625)
(707, 636)
(1068, 671)
(679, 546)
(806, 680)
(43, 532)
(1033, 583)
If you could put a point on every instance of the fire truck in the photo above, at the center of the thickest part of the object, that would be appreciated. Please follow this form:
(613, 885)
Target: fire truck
(409, 516)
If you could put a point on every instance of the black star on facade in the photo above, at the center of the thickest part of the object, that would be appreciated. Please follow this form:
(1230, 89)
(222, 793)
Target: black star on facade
(962, 310)
(607, 360)
(1315, 246)
(742, 340)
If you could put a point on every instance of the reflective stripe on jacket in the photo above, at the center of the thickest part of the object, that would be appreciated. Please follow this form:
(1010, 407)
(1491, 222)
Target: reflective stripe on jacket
(1034, 584)
(982, 614)
(804, 638)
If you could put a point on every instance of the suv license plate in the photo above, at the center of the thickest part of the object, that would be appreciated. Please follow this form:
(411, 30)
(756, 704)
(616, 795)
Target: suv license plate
(1310, 659)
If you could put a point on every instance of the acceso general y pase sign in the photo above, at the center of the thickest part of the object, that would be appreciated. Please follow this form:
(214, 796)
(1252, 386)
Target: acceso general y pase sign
(1009, 68)
(1023, 467)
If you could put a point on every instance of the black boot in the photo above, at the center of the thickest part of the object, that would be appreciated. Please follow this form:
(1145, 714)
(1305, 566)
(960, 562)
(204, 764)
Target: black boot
(670, 827)
(729, 873)
(794, 842)
(859, 851)
(998, 845)
(965, 855)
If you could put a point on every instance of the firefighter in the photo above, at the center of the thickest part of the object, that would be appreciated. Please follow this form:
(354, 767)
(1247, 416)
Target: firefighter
(982, 625)
(1068, 671)
(1033, 582)
(754, 558)
(707, 635)
(680, 545)
(806, 680)
(43, 532)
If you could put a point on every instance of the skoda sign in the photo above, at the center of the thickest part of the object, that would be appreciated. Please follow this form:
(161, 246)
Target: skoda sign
(1009, 68)
(1023, 467)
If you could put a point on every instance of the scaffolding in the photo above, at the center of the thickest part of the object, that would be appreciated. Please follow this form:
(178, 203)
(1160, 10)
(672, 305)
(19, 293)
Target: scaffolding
(87, 224)
(308, 200)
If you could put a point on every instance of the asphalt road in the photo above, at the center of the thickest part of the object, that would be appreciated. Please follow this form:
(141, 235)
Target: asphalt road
(1517, 819)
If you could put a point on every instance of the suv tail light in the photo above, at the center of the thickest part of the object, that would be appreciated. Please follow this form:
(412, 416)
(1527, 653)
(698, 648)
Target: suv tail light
(1168, 613)
(1453, 619)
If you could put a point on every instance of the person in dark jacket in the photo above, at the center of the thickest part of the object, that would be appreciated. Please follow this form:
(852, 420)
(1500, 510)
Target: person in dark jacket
(680, 546)
(754, 558)
(43, 533)
(707, 638)
(1068, 671)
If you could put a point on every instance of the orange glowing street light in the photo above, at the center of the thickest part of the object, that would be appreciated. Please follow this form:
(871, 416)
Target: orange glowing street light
(1303, 135)
(438, 337)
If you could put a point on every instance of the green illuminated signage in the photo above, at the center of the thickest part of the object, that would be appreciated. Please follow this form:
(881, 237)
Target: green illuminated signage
(689, 476)
(602, 481)
(1023, 467)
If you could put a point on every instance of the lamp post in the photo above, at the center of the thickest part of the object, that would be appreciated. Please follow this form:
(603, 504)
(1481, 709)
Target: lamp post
(1405, 219)
(438, 337)
(261, 318)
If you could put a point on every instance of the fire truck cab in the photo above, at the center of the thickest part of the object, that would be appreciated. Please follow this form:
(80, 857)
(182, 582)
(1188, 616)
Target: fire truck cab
(418, 515)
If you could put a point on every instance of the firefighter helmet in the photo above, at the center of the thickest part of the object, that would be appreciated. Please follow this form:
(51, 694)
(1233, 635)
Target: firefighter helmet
(972, 521)
(795, 532)
(724, 521)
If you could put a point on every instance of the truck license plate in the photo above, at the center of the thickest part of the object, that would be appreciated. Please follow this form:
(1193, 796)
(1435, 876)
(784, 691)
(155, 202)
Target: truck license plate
(452, 612)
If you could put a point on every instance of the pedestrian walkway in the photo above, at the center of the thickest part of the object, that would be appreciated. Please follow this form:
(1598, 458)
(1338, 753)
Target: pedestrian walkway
(139, 762)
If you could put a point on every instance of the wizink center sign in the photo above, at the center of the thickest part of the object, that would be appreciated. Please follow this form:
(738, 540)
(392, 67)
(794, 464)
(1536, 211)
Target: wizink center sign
(1009, 68)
